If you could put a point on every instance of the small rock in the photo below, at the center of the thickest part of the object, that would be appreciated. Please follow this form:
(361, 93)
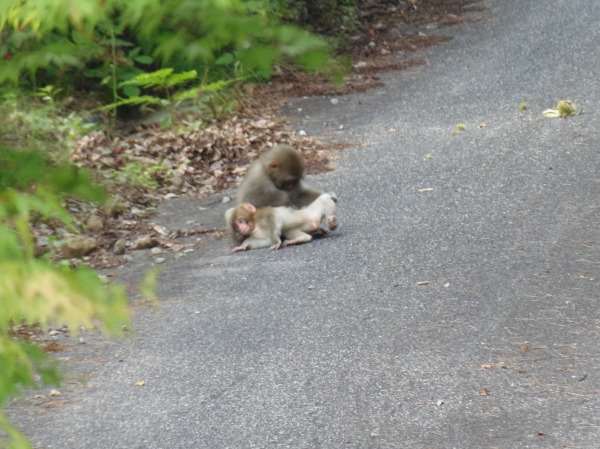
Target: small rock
(334, 101)
(302, 133)
(77, 246)
(95, 223)
(114, 207)
(120, 247)
(145, 242)
(159, 260)
(177, 180)
(226, 199)
(55, 392)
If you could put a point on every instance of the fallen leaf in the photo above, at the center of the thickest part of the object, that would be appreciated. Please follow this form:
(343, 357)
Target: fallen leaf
(423, 283)
(140, 383)
(459, 128)
(564, 108)
(429, 189)
(484, 393)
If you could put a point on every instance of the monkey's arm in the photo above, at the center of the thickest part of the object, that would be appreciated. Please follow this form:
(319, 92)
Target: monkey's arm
(253, 243)
(303, 195)
(258, 189)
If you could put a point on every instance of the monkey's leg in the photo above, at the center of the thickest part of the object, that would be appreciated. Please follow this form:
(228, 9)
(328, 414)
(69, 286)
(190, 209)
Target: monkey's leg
(295, 237)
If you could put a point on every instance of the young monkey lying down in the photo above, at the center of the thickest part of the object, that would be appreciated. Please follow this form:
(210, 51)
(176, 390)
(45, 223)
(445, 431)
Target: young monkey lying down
(263, 227)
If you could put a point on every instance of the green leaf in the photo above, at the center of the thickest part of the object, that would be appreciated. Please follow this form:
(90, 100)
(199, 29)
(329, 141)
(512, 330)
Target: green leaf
(225, 59)
(143, 59)
(179, 78)
(131, 91)
(157, 78)
(144, 100)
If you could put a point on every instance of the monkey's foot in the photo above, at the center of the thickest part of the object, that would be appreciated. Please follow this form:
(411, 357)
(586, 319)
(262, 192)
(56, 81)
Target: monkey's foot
(319, 233)
(292, 242)
(332, 222)
(333, 196)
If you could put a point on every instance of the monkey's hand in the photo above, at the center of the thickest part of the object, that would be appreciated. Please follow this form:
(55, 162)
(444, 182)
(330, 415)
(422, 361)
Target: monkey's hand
(240, 248)
(275, 246)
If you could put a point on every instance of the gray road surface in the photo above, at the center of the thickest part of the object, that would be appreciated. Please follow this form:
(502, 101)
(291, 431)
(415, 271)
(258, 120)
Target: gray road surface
(460, 316)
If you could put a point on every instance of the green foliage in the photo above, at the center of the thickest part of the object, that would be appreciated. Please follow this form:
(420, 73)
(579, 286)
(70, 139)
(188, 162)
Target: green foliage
(34, 291)
(139, 175)
(331, 17)
(48, 93)
(32, 122)
(116, 40)
(163, 82)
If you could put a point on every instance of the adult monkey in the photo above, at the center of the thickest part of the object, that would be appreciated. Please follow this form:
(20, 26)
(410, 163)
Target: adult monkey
(275, 179)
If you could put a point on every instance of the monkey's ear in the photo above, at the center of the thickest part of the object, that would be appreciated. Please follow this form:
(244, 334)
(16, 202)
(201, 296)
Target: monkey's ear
(274, 165)
(249, 207)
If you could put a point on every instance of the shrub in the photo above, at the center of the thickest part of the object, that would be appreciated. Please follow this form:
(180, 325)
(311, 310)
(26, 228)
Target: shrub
(35, 291)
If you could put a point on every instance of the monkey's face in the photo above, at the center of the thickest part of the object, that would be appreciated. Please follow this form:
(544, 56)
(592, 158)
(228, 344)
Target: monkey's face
(242, 226)
(287, 172)
(288, 184)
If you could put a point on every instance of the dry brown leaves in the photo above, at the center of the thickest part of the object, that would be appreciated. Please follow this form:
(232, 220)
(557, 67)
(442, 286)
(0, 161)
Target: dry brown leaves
(198, 161)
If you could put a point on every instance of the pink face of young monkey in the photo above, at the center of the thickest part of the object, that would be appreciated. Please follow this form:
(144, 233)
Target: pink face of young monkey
(244, 219)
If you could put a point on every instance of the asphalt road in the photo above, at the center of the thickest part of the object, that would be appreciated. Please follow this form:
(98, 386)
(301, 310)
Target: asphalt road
(456, 307)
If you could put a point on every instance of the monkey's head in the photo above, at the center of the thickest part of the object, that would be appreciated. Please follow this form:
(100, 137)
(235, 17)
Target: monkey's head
(242, 218)
(285, 167)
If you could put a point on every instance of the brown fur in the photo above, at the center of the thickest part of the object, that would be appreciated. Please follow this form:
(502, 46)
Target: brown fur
(276, 179)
